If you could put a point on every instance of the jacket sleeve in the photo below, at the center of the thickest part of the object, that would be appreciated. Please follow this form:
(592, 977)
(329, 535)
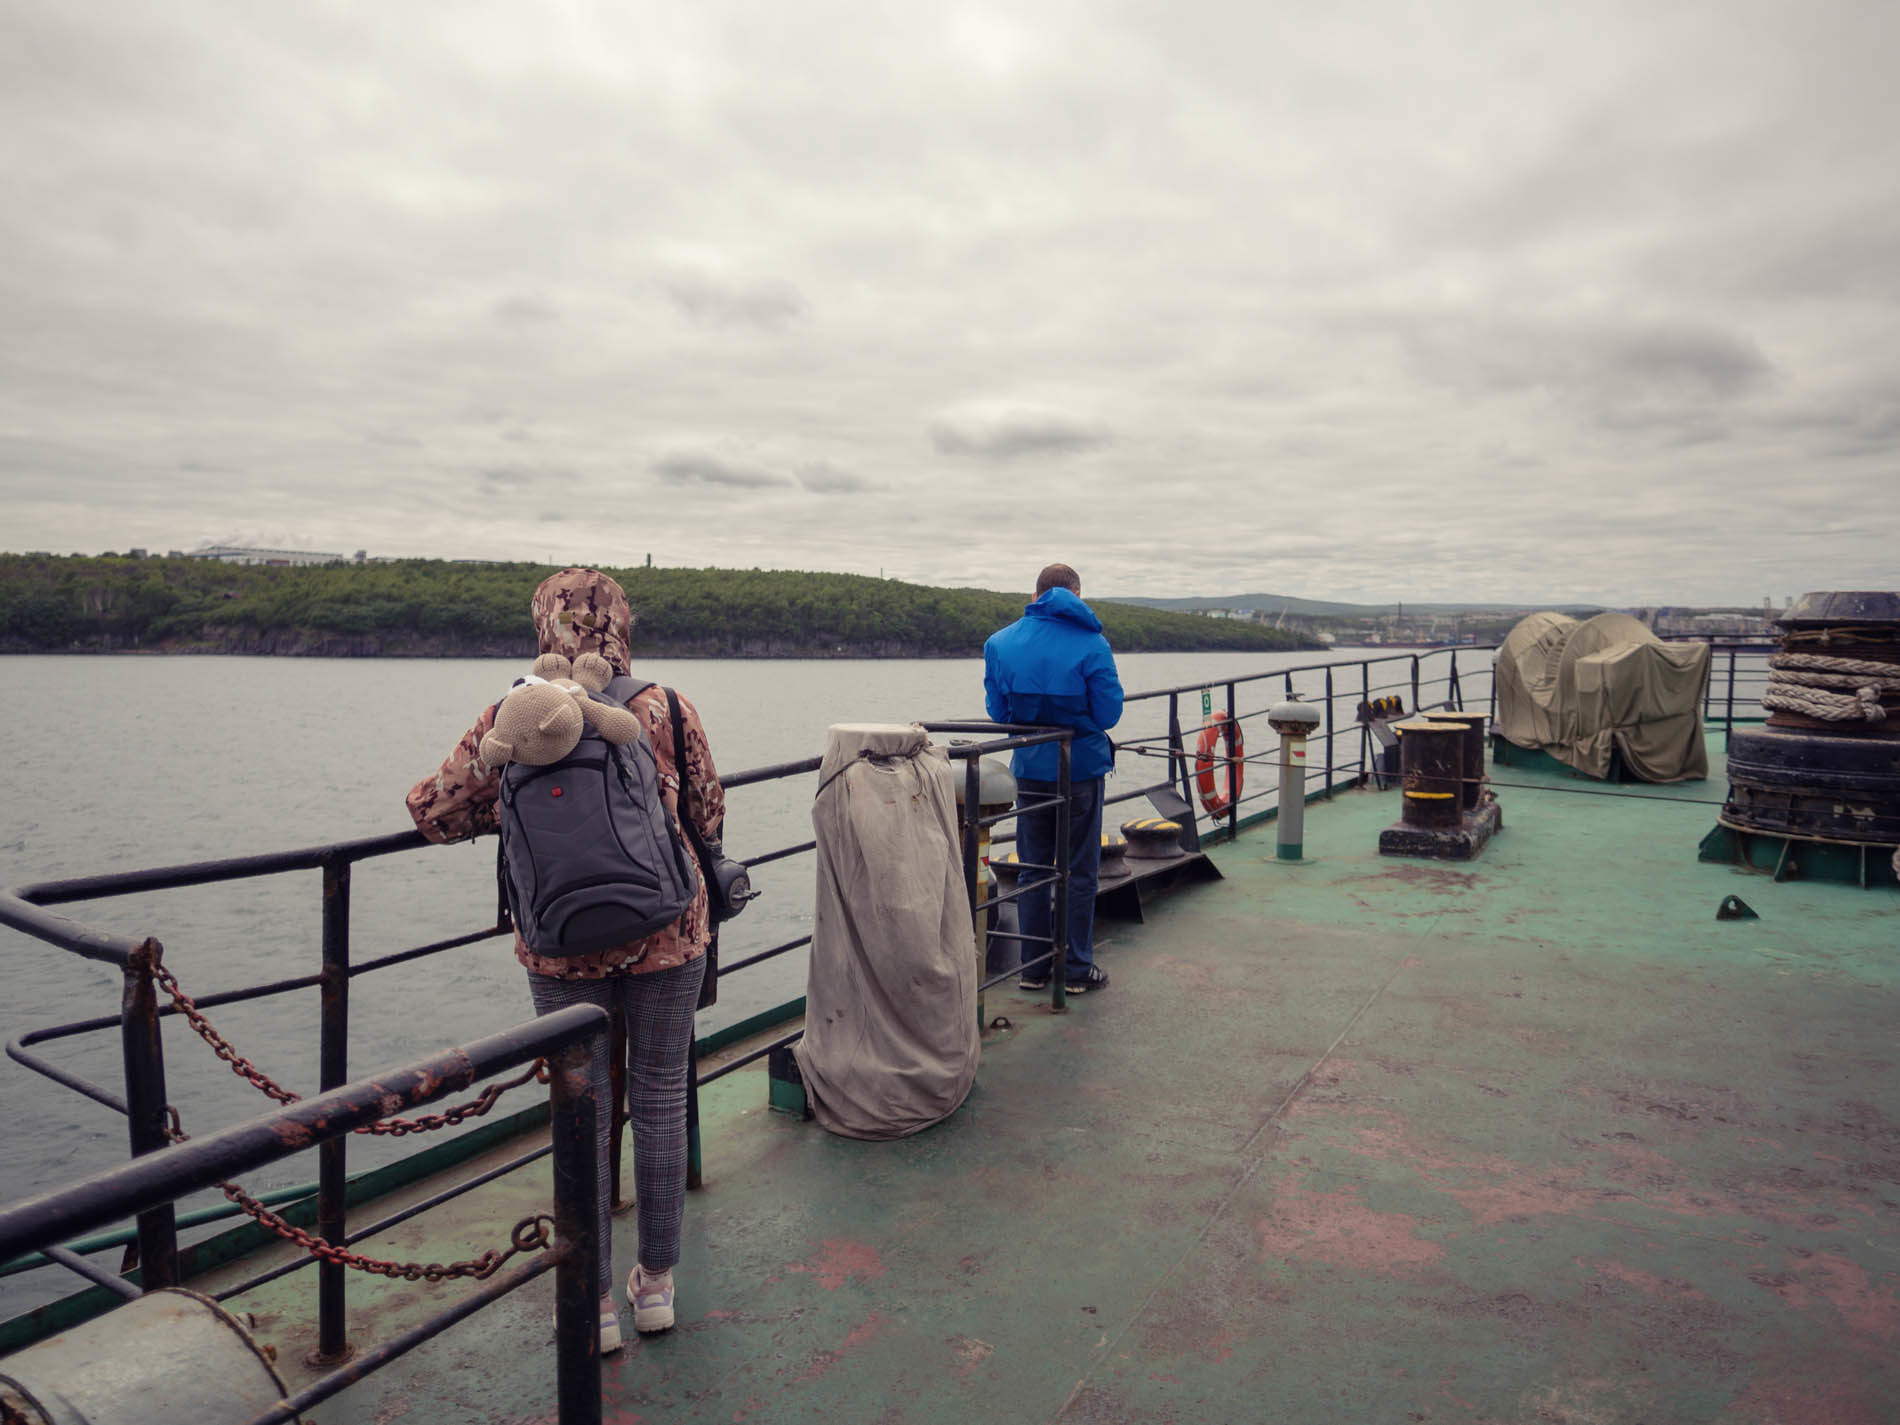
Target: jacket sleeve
(458, 800)
(995, 696)
(1105, 688)
(702, 797)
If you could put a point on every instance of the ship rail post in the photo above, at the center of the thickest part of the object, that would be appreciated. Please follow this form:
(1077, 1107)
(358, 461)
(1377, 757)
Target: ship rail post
(1329, 734)
(1365, 725)
(333, 1065)
(971, 829)
(1177, 752)
(142, 1047)
(1414, 682)
(574, 1136)
(1237, 768)
(1059, 921)
(1728, 715)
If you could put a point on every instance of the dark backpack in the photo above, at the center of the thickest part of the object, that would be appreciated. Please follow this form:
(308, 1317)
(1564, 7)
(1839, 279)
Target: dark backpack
(589, 857)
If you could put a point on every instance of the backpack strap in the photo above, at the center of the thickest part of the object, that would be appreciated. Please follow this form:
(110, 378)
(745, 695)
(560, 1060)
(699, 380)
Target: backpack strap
(679, 769)
(623, 689)
(709, 986)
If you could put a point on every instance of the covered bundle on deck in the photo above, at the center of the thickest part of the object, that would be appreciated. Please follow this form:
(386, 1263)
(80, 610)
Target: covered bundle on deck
(1604, 694)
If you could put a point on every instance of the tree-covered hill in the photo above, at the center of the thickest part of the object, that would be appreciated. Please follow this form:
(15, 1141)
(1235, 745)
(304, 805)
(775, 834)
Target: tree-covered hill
(418, 607)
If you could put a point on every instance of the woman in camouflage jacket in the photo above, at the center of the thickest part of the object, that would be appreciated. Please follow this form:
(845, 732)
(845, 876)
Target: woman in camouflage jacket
(654, 982)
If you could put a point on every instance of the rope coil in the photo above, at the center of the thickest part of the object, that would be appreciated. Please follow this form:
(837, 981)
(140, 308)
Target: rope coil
(1829, 688)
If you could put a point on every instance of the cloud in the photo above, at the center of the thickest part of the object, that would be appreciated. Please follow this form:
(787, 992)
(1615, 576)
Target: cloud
(525, 312)
(1601, 365)
(822, 478)
(710, 302)
(1004, 432)
(518, 479)
(700, 467)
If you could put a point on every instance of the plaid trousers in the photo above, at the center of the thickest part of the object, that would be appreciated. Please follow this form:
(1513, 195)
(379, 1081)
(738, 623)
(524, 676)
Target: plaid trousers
(659, 1012)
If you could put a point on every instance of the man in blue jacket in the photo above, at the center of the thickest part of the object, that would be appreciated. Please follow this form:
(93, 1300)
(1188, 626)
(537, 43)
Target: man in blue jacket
(1053, 667)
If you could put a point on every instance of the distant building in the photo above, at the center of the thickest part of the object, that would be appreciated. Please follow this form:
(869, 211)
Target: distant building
(235, 554)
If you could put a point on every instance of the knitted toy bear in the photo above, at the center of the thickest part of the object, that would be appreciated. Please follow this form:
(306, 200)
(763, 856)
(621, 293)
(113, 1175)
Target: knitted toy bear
(540, 720)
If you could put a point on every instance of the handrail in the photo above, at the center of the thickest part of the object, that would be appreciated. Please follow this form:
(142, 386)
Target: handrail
(568, 1038)
(145, 1102)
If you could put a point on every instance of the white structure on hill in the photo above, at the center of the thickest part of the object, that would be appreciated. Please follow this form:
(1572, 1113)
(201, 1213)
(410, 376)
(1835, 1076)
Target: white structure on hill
(234, 554)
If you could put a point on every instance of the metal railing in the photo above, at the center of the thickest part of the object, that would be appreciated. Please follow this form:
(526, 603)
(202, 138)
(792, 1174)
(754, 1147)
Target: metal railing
(1736, 666)
(145, 1102)
(1342, 688)
(567, 1038)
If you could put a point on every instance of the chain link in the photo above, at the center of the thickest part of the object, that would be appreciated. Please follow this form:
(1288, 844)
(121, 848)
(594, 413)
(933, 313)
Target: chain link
(388, 1127)
(531, 1234)
(220, 1046)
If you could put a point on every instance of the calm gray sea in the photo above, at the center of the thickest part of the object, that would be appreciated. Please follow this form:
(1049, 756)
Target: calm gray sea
(130, 762)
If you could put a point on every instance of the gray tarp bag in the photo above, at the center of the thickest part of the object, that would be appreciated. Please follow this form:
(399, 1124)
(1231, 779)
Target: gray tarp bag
(890, 1042)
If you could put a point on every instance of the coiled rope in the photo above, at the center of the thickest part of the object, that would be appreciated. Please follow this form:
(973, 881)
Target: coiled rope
(1805, 683)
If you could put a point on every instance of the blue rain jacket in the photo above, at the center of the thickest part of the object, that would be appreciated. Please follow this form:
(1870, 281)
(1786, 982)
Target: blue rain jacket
(1053, 667)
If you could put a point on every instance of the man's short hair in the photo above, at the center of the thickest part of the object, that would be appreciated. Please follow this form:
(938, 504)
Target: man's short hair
(1058, 576)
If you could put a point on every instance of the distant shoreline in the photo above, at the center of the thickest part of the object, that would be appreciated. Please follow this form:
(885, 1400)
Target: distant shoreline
(839, 655)
(429, 609)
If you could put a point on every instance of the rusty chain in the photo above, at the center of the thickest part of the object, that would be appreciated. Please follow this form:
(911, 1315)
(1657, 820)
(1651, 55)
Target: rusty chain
(531, 1234)
(388, 1127)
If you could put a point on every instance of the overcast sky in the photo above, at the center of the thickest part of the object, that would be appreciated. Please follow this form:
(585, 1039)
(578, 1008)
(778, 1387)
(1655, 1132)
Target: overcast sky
(1550, 302)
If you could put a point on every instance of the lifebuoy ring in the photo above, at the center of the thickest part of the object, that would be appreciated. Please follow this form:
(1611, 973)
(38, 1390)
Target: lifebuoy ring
(1217, 729)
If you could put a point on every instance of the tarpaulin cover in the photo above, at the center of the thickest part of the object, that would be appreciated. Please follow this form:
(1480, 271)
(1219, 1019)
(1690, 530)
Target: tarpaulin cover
(1580, 691)
(890, 1042)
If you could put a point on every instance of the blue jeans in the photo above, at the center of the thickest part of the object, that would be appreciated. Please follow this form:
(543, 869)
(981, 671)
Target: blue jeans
(1036, 842)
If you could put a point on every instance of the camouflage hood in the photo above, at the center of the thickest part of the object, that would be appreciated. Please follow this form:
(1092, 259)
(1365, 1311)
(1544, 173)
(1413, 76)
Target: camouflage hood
(583, 611)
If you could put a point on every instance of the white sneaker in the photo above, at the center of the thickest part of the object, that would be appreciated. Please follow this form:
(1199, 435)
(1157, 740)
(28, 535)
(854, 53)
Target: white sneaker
(652, 1298)
(609, 1324)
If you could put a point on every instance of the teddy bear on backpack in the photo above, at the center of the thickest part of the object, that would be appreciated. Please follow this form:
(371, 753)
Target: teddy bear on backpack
(540, 720)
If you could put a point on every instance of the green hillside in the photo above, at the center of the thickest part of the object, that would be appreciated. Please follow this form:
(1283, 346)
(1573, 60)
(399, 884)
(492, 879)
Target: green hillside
(419, 607)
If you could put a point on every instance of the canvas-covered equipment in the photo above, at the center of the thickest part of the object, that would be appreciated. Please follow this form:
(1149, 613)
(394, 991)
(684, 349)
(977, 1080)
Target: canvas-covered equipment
(1587, 692)
(890, 1044)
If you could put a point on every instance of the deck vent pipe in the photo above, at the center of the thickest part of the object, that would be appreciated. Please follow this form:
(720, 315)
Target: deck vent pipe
(1293, 720)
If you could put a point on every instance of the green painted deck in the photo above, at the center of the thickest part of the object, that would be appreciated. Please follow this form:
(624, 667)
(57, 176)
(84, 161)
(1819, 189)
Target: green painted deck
(1535, 1138)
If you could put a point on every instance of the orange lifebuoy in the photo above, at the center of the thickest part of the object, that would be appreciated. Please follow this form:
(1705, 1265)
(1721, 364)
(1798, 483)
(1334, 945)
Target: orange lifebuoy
(1219, 728)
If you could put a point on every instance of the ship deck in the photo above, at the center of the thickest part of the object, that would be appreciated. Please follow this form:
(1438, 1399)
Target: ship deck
(1534, 1138)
